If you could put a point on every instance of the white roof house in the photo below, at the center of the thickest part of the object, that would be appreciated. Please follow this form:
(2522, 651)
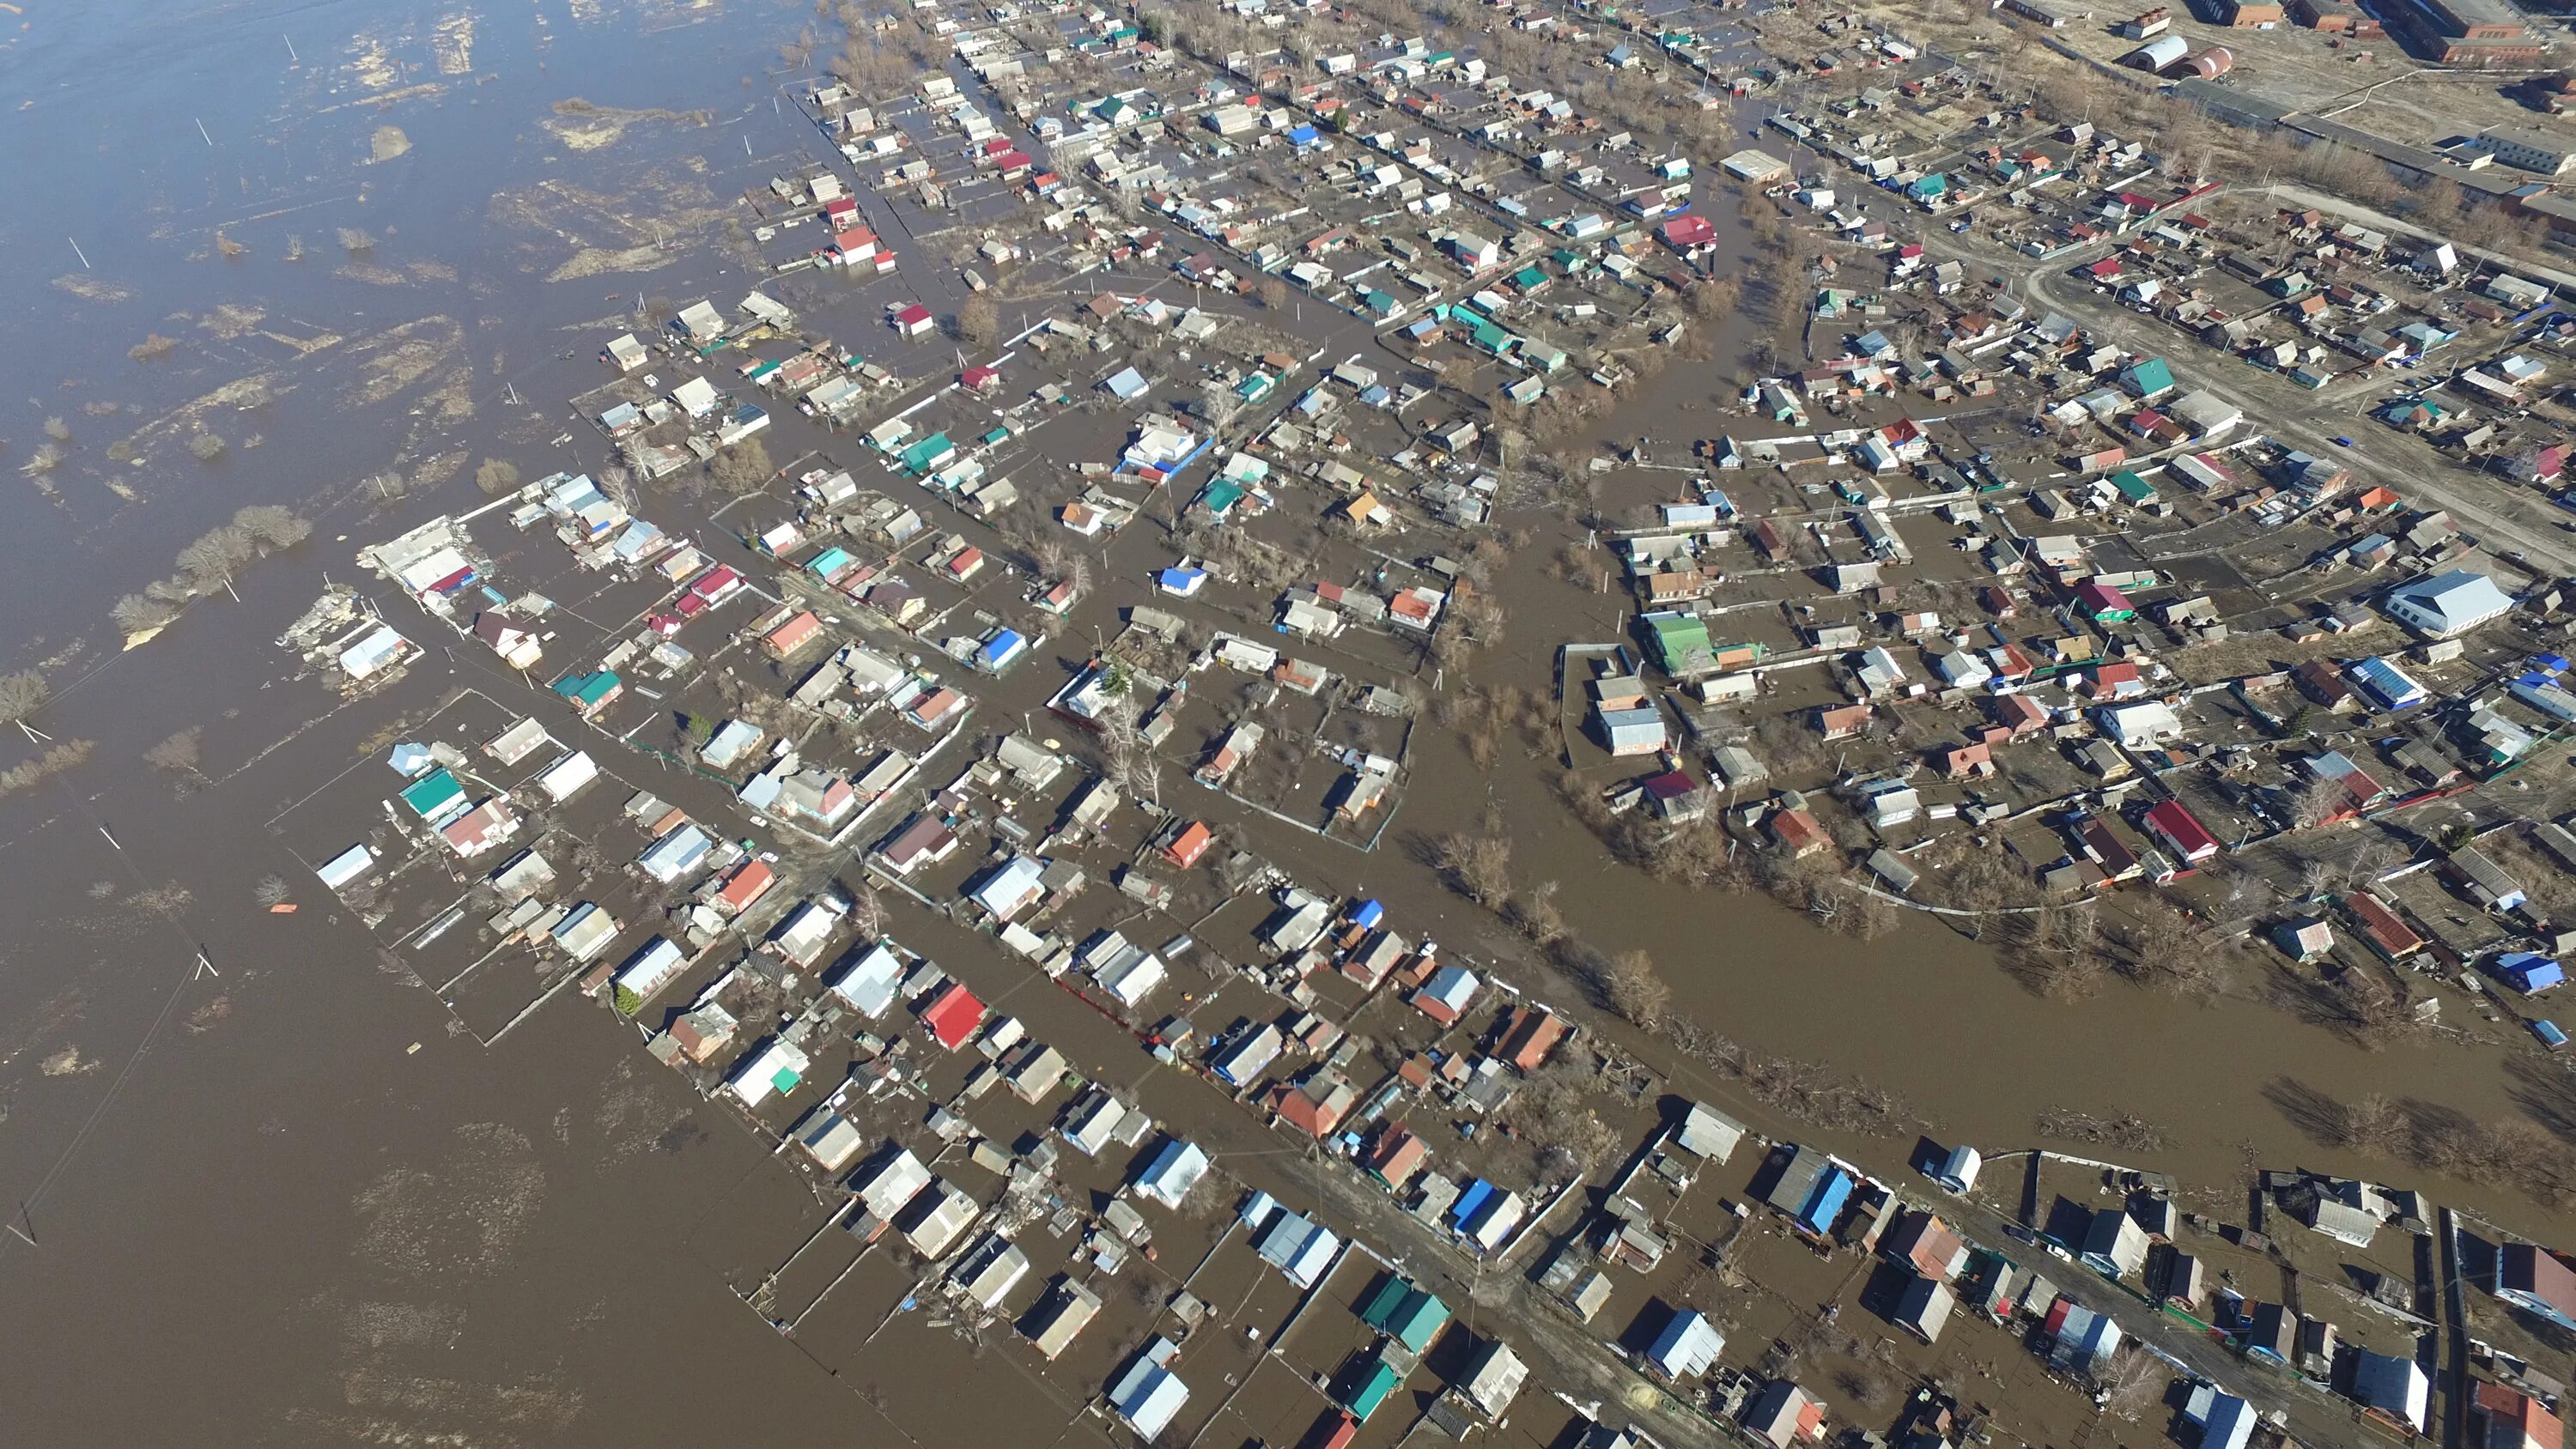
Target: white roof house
(701, 320)
(1925, 1308)
(892, 1183)
(1494, 1378)
(1175, 1170)
(651, 968)
(1708, 1133)
(802, 936)
(2394, 1387)
(1298, 1246)
(697, 397)
(1958, 1171)
(1147, 1394)
(2448, 604)
(1496, 1220)
(1011, 887)
(1133, 978)
(1243, 1062)
(564, 778)
(828, 1138)
(585, 932)
(1688, 1345)
(347, 866)
(2139, 723)
(1067, 1309)
(869, 984)
(774, 1070)
(517, 742)
(938, 1214)
(675, 854)
(990, 1271)
(1094, 1122)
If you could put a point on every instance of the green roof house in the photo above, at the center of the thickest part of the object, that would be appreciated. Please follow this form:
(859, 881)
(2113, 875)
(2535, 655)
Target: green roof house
(1681, 641)
(590, 692)
(930, 453)
(2147, 379)
(1368, 1386)
(433, 794)
(1406, 1314)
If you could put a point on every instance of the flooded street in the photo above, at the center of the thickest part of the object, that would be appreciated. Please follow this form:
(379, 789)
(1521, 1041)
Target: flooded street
(256, 1154)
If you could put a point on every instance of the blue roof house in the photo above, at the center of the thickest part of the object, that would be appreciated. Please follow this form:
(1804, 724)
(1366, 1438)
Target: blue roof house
(2528, 972)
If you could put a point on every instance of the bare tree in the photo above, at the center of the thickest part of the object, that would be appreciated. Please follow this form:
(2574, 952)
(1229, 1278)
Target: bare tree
(1479, 866)
(270, 526)
(979, 321)
(742, 468)
(867, 912)
(1537, 914)
(22, 694)
(179, 754)
(2319, 801)
(136, 613)
(1631, 988)
(209, 562)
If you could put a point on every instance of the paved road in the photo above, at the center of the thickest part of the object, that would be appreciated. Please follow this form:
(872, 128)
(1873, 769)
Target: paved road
(2500, 517)
(2505, 517)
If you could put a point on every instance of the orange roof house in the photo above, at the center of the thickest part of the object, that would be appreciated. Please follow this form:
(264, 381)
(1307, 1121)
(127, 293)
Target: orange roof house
(749, 882)
(1529, 1034)
(1190, 844)
(1396, 1157)
(791, 636)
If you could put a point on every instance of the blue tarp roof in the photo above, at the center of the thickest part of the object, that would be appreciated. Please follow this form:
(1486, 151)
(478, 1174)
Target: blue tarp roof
(1825, 1201)
(1470, 1200)
(1367, 914)
(2529, 970)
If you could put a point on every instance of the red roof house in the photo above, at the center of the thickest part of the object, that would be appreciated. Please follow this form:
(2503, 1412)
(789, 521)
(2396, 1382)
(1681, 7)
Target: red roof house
(1687, 231)
(2114, 681)
(953, 1015)
(2170, 823)
(2387, 935)
(2103, 602)
(1797, 832)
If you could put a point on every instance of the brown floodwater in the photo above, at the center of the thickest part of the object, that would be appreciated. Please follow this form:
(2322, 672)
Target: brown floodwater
(280, 1179)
